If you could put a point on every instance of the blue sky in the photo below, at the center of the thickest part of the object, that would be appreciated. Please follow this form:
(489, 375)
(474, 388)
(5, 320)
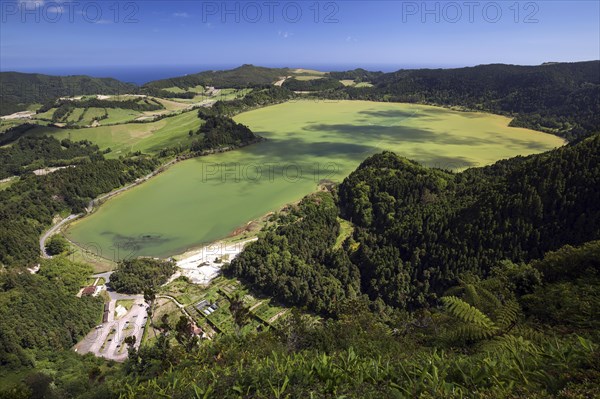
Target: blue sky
(36, 34)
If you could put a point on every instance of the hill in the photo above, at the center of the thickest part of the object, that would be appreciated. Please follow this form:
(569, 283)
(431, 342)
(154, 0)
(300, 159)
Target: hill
(560, 98)
(241, 77)
(19, 90)
(416, 230)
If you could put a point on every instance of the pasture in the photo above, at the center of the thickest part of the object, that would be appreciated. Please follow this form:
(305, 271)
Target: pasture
(205, 199)
(148, 137)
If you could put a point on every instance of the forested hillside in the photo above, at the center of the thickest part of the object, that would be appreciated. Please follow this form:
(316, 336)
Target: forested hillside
(418, 229)
(18, 90)
(561, 98)
(241, 77)
(505, 336)
(295, 262)
(312, 85)
(41, 312)
(31, 153)
(28, 206)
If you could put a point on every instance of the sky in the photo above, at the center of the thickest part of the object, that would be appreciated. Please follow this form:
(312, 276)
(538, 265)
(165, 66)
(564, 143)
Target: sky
(39, 35)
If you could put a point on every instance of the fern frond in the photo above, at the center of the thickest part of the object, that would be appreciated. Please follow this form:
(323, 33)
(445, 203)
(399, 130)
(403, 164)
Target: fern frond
(472, 332)
(471, 295)
(491, 300)
(467, 313)
(507, 314)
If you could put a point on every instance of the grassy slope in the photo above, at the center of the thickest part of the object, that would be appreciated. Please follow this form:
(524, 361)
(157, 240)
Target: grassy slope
(146, 137)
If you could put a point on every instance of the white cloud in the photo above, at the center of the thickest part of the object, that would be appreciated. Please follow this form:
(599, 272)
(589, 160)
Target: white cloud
(181, 15)
(351, 39)
(284, 34)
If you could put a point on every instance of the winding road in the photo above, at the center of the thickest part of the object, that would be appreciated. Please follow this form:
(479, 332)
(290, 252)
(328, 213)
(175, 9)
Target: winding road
(54, 229)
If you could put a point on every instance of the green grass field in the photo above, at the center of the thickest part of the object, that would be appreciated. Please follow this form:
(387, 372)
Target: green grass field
(308, 77)
(204, 199)
(85, 116)
(92, 114)
(146, 137)
(6, 183)
(45, 115)
(76, 115)
(354, 84)
(6, 124)
(196, 89)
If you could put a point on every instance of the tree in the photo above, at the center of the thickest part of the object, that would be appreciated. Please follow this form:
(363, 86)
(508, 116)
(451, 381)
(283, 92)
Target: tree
(57, 244)
(130, 341)
(239, 311)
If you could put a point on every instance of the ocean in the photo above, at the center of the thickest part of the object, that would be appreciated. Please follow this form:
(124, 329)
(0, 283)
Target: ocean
(144, 74)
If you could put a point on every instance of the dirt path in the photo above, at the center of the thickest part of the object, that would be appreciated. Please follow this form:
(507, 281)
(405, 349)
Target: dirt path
(281, 81)
(178, 304)
(8, 179)
(257, 304)
(277, 316)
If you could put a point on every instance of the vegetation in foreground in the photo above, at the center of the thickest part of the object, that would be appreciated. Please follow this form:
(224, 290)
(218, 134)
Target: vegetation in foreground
(502, 336)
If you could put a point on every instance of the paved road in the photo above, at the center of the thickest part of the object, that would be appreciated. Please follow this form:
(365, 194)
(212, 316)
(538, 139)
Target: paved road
(51, 232)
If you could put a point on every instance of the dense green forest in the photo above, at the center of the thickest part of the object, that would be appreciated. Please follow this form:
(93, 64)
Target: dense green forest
(312, 85)
(40, 312)
(136, 276)
(498, 337)
(19, 90)
(14, 133)
(30, 153)
(560, 98)
(241, 77)
(357, 75)
(418, 229)
(295, 262)
(219, 131)
(28, 206)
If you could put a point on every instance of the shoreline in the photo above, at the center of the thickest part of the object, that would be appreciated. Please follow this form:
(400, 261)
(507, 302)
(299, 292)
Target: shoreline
(95, 203)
